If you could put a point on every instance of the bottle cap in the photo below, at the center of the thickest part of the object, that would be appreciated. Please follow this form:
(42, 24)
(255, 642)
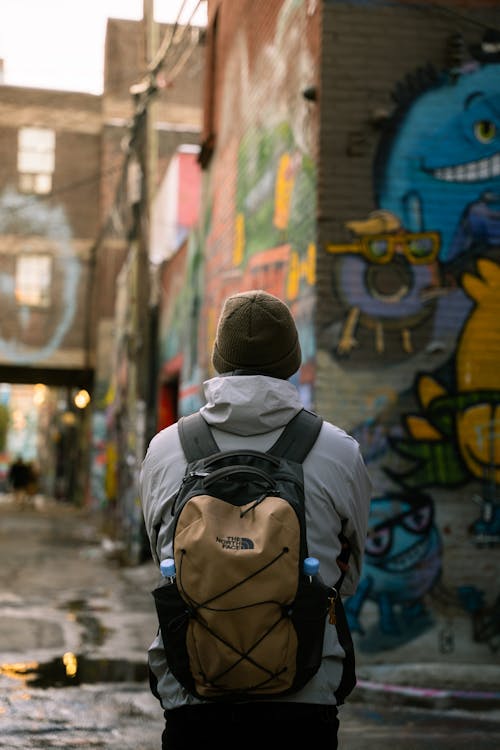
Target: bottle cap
(167, 567)
(311, 566)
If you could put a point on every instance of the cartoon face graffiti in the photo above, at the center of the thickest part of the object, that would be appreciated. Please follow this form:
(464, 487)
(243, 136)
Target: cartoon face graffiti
(439, 159)
(386, 280)
(403, 548)
(401, 565)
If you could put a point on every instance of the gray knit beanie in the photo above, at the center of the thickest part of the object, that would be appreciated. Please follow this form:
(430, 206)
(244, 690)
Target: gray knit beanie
(256, 332)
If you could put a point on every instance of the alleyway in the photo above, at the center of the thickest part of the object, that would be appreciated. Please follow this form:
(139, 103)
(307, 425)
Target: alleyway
(74, 630)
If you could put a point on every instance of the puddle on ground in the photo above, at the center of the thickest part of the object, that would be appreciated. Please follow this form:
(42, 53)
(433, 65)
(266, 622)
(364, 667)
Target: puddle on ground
(94, 632)
(72, 670)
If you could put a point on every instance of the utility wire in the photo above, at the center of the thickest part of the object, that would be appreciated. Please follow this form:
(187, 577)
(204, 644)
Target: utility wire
(180, 63)
(148, 85)
(166, 43)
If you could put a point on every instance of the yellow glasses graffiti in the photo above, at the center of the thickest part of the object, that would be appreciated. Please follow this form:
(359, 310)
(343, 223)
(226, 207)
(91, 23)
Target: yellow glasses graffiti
(418, 248)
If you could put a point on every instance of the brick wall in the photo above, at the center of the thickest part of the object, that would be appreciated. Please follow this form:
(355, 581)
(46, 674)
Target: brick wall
(61, 224)
(403, 353)
(408, 349)
(259, 149)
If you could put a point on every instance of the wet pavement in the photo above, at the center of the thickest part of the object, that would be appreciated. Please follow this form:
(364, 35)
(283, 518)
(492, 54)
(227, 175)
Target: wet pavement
(75, 624)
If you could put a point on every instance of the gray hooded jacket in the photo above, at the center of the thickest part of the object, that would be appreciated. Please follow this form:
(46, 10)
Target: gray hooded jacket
(250, 411)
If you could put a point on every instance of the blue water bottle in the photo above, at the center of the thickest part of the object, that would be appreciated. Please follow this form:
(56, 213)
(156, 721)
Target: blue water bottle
(167, 569)
(311, 567)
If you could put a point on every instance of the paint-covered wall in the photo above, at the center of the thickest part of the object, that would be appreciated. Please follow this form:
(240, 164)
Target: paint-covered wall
(259, 198)
(60, 225)
(408, 282)
(382, 232)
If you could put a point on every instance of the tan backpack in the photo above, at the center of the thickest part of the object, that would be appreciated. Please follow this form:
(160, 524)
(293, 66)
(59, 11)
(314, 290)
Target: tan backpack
(243, 618)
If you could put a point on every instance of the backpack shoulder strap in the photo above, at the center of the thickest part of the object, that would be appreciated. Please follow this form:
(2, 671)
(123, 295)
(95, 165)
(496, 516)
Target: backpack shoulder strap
(295, 441)
(196, 439)
(298, 437)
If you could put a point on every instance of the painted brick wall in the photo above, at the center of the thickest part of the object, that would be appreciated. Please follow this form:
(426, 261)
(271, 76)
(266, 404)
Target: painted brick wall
(259, 198)
(408, 282)
(62, 225)
(406, 345)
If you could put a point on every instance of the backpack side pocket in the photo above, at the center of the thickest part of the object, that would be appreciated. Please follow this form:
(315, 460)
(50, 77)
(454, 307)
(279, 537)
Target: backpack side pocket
(173, 617)
(308, 615)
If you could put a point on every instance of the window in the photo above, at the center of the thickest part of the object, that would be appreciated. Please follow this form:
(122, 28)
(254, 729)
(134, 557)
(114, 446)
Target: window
(35, 160)
(33, 280)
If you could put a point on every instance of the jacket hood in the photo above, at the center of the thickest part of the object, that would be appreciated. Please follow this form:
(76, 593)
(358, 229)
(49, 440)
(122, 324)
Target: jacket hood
(249, 404)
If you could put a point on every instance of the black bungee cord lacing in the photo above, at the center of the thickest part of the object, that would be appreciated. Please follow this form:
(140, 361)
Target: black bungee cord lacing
(195, 607)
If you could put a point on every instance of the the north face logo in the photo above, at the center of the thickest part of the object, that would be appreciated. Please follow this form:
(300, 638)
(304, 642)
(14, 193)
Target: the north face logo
(235, 542)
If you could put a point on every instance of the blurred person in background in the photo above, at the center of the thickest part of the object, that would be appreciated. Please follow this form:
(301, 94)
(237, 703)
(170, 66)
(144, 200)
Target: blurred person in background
(21, 480)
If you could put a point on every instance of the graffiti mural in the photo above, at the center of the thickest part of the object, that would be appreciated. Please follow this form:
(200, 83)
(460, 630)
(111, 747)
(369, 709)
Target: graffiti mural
(452, 440)
(273, 246)
(261, 194)
(455, 438)
(402, 564)
(436, 182)
(438, 167)
(179, 327)
(418, 281)
(49, 223)
(388, 281)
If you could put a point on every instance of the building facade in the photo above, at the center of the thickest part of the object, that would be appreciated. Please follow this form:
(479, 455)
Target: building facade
(70, 187)
(49, 186)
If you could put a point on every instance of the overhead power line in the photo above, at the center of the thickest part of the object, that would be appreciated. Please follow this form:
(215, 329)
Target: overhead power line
(166, 42)
(148, 85)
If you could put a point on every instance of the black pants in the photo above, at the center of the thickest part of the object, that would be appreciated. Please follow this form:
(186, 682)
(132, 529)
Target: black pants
(259, 726)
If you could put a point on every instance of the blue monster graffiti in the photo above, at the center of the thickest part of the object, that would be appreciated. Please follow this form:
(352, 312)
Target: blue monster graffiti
(436, 181)
(402, 564)
(438, 162)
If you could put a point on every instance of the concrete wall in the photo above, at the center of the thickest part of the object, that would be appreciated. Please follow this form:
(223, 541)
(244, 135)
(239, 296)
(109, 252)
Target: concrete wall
(409, 342)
